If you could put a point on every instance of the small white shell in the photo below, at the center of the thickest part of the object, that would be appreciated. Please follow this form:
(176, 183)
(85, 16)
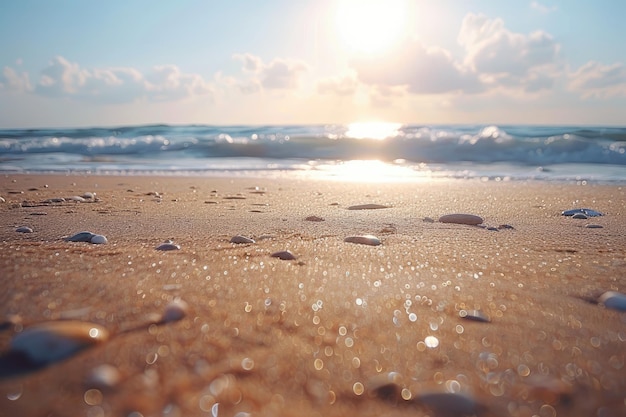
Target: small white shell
(370, 240)
(24, 229)
(56, 340)
(98, 239)
(241, 239)
(104, 376)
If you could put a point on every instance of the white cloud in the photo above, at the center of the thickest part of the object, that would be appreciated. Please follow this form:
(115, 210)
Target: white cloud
(508, 59)
(535, 5)
(423, 70)
(62, 78)
(597, 80)
(10, 80)
(277, 74)
(344, 85)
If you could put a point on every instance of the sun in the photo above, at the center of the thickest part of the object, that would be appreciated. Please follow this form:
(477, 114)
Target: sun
(370, 26)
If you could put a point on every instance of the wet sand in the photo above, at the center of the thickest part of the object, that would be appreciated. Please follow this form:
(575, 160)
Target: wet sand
(344, 329)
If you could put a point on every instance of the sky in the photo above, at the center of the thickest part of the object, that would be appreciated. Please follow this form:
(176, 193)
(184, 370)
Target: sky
(76, 63)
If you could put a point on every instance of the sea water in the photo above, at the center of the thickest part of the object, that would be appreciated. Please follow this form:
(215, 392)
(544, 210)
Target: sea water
(362, 151)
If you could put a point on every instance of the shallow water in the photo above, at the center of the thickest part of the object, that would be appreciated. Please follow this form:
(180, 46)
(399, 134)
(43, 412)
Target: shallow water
(366, 152)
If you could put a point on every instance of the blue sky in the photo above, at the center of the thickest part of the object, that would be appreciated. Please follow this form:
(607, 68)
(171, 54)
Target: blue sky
(68, 63)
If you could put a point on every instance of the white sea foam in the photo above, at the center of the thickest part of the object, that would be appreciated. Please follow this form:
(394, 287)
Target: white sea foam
(495, 152)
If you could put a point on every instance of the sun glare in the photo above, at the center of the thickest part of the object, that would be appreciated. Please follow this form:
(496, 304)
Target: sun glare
(369, 26)
(373, 130)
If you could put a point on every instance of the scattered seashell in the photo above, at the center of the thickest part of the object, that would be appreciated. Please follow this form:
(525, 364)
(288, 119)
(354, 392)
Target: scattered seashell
(104, 376)
(594, 226)
(175, 310)
(582, 216)
(24, 229)
(56, 340)
(445, 403)
(458, 218)
(2, 200)
(241, 239)
(285, 255)
(370, 240)
(493, 229)
(99, 240)
(368, 207)
(585, 211)
(55, 200)
(89, 195)
(474, 315)
(613, 300)
(314, 219)
(76, 198)
(80, 237)
(168, 246)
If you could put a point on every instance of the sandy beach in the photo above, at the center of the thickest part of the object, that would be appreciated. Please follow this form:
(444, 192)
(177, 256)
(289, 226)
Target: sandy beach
(440, 319)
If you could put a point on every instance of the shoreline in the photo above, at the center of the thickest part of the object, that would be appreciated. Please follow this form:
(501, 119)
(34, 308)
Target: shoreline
(342, 329)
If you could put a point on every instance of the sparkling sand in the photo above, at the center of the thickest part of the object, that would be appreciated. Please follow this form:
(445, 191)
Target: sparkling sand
(440, 319)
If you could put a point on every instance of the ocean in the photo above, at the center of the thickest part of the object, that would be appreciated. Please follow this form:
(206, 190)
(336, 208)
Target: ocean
(358, 152)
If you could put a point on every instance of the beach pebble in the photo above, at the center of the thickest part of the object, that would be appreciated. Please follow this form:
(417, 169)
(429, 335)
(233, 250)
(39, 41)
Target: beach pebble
(428, 220)
(314, 219)
(459, 218)
(594, 226)
(174, 311)
(581, 216)
(76, 198)
(104, 376)
(474, 315)
(81, 237)
(449, 404)
(241, 239)
(386, 386)
(285, 255)
(613, 300)
(55, 200)
(89, 195)
(505, 227)
(56, 340)
(24, 229)
(585, 211)
(370, 240)
(98, 239)
(168, 246)
(368, 207)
